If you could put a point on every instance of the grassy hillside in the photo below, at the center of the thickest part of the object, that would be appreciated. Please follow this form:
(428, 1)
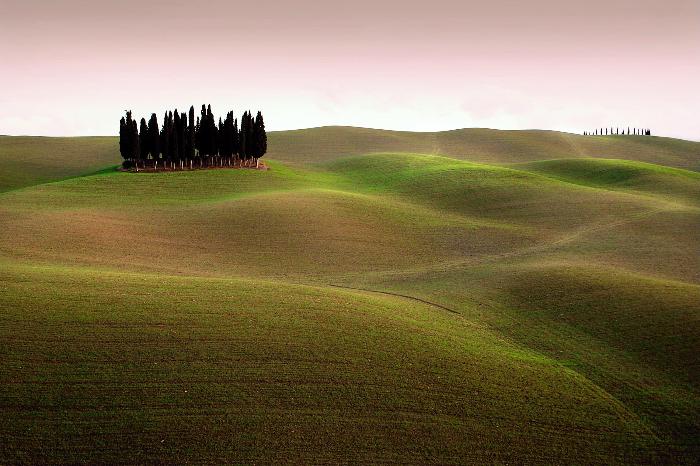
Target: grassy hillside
(365, 300)
(26, 161)
(622, 175)
(480, 145)
(249, 371)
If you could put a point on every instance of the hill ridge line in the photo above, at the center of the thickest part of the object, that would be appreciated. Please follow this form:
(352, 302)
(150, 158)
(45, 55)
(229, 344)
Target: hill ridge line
(399, 295)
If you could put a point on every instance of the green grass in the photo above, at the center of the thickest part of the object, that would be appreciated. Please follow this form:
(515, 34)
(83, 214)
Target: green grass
(248, 317)
(479, 145)
(252, 371)
(26, 161)
(622, 175)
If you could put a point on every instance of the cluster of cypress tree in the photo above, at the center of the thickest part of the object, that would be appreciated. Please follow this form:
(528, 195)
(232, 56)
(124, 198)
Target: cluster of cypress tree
(616, 131)
(183, 142)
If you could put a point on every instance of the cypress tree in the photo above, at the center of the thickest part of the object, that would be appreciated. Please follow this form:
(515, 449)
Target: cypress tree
(260, 137)
(172, 133)
(243, 138)
(175, 138)
(202, 140)
(198, 140)
(221, 140)
(123, 138)
(128, 140)
(210, 136)
(153, 138)
(235, 145)
(182, 135)
(190, 136)
(135, 146)
(164, 141)
(144, 147)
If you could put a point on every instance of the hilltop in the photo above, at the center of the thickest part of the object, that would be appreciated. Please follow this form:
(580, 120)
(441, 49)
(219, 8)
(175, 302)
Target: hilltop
(462, 296)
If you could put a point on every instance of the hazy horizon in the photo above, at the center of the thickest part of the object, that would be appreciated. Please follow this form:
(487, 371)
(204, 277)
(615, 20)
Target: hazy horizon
(358, 127)
(75, 66)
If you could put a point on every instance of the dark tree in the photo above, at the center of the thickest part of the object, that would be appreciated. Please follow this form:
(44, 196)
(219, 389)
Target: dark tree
(243, 137)
(182, 139)
(202, 139)
(144, 146)
(259, 138)
(198, 140)
(190, 136)
(123, 138)
(134, 138)
(221, 141)
(153, 139)
(174, 138)
(235, 138)
(128, 140)
(124, 142)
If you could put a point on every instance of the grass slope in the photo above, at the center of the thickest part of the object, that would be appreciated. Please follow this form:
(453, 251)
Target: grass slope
(201, 316)
(243, 371)
(479, 145)
(622, 175)
(27, 160)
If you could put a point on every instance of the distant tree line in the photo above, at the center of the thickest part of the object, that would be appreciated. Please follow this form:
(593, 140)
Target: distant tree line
(616, 131)
(185, 143)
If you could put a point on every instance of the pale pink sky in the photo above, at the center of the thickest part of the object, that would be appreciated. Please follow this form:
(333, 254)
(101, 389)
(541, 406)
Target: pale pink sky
(70, 67)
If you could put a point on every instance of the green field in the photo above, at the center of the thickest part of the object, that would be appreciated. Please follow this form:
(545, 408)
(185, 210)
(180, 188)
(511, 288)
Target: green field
(470, 296)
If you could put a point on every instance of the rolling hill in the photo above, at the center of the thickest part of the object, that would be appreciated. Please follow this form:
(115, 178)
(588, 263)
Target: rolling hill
(376, 296)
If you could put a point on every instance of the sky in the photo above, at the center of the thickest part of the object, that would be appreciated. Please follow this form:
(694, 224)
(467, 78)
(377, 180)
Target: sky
(71, 67)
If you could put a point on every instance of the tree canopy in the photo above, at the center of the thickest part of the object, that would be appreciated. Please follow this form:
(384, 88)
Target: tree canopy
(183, 142)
